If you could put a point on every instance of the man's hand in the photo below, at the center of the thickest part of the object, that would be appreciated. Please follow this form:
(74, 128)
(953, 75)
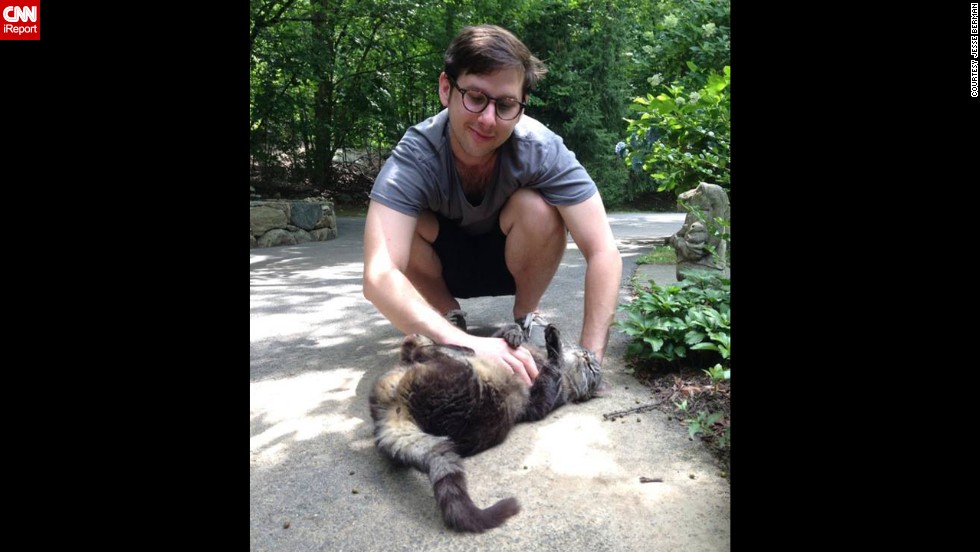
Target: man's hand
(518, 361)
(589, 226)
(594, 356)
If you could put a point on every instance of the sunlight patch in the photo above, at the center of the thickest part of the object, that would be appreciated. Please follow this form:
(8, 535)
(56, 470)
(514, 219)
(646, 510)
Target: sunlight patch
(270, 455)
(572, 445)
(252, 259)
(276, 325)
(300, 408)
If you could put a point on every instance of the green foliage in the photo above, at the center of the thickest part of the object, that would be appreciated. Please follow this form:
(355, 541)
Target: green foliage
(681, 139)
(668, 322)
(718, 373)
(582, 96)
(663, 36)
(711, 425)
(703, 422)
(331, 74)
(670, 33)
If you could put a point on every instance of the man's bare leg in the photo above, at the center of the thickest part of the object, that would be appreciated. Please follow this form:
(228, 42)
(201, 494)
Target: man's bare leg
(425, 268)
(536, 241)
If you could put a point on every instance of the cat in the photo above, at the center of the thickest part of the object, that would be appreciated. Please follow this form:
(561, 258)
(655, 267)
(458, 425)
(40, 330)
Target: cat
(442, 403)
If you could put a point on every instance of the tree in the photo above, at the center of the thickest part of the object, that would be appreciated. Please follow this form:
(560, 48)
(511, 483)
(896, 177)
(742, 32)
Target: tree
(333, 74)
(328, 74)
(582, 97)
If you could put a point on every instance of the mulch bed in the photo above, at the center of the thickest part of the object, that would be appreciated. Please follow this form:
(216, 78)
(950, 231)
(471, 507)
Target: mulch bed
(671, 385)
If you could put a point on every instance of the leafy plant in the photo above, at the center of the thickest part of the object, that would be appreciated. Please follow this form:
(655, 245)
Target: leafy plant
(718, 373)
(702, 423)
(671, 32)
(583, 97)
(666, 322)
(679, 138)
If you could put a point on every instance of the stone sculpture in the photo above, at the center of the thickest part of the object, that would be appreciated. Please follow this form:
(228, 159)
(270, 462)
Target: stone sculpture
(698, 244)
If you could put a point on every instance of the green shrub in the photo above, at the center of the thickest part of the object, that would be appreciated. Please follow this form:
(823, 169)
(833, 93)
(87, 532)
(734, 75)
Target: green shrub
(680, 139)
(674, 31)
(667, 322)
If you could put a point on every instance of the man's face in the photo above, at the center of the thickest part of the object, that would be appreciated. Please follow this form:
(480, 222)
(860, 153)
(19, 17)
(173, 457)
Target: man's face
(475, 136)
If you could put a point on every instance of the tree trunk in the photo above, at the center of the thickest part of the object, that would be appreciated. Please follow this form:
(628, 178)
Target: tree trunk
(324, 23)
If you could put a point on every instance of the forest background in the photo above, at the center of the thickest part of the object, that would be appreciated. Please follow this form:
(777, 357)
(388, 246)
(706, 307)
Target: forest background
(639, 90)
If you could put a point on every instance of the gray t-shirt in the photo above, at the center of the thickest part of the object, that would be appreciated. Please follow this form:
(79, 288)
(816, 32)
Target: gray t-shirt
(421, 173)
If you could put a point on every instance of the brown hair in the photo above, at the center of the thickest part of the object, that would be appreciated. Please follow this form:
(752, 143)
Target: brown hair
(485, 49)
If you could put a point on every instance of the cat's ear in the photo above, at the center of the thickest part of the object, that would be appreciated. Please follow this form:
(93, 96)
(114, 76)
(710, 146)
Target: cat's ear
(466, 351)
(552, 339)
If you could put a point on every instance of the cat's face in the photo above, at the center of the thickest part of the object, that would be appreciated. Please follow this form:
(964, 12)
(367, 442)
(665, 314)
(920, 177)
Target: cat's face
(581, 375)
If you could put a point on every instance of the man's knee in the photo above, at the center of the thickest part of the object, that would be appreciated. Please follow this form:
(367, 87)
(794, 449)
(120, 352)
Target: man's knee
(526, 208)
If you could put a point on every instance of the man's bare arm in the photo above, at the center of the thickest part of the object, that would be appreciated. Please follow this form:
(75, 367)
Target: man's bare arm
(388, 238)
(387, 242)
(589, 227)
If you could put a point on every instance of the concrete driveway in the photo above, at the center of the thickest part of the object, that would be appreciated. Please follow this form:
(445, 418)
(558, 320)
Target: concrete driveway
(316, 481)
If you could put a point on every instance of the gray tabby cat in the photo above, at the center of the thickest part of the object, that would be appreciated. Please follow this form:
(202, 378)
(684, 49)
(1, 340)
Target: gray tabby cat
(442, 403)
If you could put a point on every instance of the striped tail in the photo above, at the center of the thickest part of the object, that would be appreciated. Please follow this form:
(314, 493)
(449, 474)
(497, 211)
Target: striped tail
(397, 436)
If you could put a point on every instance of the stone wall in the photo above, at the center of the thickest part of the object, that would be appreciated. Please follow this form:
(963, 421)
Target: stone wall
(284, 222)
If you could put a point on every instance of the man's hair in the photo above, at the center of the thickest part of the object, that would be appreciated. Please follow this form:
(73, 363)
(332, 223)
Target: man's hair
(484, 49)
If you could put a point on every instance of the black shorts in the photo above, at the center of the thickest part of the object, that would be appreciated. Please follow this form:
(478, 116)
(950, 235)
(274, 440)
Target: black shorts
(473, 266)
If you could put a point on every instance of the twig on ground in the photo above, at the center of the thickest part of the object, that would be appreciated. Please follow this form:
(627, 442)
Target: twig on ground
(621, 413)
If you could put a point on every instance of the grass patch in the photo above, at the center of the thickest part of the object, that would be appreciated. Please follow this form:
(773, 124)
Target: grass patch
(661, 254)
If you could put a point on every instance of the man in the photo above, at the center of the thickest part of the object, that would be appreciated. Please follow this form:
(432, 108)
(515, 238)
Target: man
(476, 201)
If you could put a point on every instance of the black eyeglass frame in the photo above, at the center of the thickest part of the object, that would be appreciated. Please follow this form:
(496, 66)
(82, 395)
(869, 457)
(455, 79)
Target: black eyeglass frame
(496, 112)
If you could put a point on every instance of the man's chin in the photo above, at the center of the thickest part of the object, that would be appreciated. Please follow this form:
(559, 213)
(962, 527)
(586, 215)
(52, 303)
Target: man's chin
(480, 151)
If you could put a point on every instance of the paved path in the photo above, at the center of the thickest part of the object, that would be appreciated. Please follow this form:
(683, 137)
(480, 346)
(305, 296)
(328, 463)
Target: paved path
(315, 347)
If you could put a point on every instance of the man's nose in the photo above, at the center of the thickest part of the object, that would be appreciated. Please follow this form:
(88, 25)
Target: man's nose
(489, 115)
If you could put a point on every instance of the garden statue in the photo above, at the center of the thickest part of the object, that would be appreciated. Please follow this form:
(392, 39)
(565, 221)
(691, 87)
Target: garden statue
(699, 244)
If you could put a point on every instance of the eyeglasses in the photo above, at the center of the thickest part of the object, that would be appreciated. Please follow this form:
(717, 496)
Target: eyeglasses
(476, 102)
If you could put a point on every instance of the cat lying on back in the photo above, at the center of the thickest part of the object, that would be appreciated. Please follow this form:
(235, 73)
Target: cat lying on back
(442, 403)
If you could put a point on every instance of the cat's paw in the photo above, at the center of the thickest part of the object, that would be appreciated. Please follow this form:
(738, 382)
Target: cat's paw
(552, 339)
(512, 334)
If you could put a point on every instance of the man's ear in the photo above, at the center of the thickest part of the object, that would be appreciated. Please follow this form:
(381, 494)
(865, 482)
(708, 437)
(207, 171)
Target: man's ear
(445, 89)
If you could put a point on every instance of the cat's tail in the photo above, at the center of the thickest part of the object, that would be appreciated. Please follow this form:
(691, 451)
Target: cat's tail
(458, 510)
(400, 438)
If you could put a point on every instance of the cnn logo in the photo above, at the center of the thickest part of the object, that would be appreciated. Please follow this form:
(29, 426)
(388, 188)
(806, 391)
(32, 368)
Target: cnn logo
(21, 20)
(20, 14)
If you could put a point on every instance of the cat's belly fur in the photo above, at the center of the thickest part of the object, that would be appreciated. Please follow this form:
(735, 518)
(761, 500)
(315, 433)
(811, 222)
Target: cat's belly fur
(474, 405)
